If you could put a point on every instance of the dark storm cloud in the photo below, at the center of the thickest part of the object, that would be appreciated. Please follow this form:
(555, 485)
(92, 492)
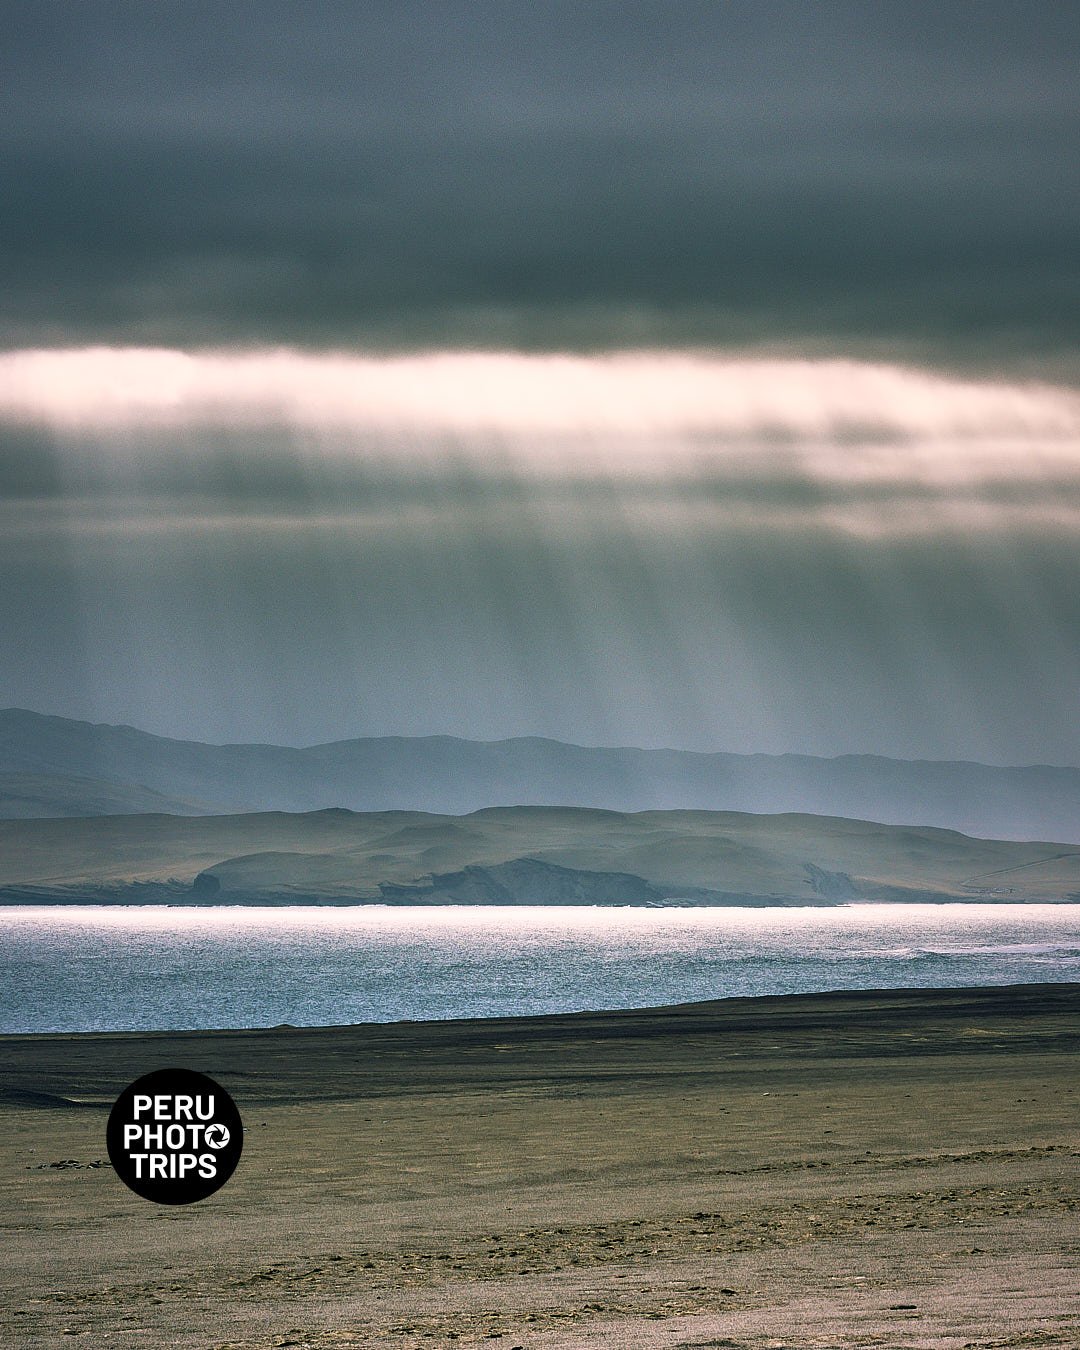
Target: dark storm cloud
(551, 173)
(754, 552)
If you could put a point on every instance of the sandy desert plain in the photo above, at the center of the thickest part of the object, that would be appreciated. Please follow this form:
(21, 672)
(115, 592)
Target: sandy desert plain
(838, 1170)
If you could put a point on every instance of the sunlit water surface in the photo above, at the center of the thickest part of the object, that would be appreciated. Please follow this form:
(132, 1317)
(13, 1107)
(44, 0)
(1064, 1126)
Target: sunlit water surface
(66, 968)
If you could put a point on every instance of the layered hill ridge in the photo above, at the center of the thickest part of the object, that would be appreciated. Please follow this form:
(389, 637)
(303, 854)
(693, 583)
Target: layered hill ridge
(53, 766)
(518, 855)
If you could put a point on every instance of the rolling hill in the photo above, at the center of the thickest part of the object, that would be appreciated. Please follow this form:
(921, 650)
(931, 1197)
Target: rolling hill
(527, 855)
(52, 766)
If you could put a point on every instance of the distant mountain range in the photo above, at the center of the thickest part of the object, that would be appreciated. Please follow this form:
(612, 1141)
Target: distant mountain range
(54, 766)
(517, 855)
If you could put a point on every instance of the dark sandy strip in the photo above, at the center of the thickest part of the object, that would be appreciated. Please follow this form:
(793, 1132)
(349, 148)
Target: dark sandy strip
(646, 1047)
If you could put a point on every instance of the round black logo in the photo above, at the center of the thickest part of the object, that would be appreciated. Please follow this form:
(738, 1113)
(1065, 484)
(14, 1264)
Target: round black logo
(174, 1136)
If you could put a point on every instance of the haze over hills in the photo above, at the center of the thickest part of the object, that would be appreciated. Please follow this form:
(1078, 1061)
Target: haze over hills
(518, 855)
(53, 766)
(29, 796)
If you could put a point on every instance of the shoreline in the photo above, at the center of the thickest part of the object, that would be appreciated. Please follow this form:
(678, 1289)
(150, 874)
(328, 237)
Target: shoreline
(531, 1021)
(927, 898)
(852, 1168)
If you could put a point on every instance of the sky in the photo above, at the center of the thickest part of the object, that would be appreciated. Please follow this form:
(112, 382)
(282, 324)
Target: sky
(703, 375)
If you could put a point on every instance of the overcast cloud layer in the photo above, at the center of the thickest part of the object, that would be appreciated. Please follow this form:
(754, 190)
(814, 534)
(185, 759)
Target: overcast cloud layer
(896, 176)
(697, 374)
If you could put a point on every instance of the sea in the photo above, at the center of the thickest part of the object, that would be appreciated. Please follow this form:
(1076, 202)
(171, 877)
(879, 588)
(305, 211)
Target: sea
(70, 968)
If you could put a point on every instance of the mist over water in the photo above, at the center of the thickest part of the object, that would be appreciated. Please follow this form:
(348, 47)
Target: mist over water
(155, 968)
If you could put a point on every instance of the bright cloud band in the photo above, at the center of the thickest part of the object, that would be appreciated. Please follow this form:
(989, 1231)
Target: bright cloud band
(641, 414)
(517, 393)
